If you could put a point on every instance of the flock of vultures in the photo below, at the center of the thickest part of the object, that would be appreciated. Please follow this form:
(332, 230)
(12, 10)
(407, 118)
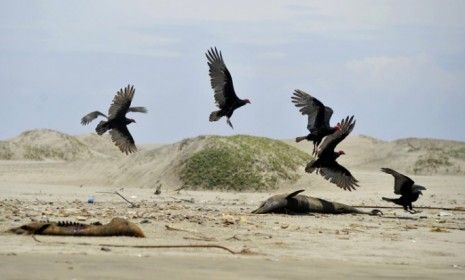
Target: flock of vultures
(325, 137)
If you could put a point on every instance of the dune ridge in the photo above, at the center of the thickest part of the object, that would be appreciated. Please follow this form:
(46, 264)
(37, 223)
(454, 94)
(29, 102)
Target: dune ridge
(94, 159)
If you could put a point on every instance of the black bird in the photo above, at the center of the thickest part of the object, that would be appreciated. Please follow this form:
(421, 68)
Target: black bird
(403, 185)
(318, 114)
(222, 85)
(325, 161)
(116, 120)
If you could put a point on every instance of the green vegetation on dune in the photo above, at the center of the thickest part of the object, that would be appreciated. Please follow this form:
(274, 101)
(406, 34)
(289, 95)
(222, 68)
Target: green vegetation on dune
(242, 162)
(430, 163)
(458, 153)
(5, 151)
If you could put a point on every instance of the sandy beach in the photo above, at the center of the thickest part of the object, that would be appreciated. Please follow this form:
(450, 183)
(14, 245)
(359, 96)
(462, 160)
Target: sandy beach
(427, 245)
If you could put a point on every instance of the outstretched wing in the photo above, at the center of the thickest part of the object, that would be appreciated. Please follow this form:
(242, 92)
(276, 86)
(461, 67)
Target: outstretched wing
(313, 108)
(402, 183)
(220, 79)
(91, 116)
(331, 141)
(123, 139)
(339, 175)
(121, 102)
(328, 114)
(137, 109)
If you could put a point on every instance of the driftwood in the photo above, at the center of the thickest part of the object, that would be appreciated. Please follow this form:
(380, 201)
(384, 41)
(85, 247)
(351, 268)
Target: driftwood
(243, 251)
(117, 227)
(456, 209)
(133, 205)
(294, 203)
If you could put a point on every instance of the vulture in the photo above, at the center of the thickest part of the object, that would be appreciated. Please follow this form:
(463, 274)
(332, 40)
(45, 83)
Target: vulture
(222, 85)
(116, 121)
(318, 114)
(325, 160)
(406, 188)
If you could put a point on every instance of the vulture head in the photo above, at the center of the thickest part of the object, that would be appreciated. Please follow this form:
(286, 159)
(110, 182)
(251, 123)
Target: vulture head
(247, 101)
(418, 189)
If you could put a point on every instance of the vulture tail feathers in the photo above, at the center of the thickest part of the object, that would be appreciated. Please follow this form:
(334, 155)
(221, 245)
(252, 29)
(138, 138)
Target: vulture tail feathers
(300, 138)
(102, 127)
(216, 115)
(310, 168)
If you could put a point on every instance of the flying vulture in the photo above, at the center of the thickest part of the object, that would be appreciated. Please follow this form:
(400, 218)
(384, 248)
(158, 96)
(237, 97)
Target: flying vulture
(116, 121)
(403, 185)
(325, 161)
(318, 114)
(222, 85)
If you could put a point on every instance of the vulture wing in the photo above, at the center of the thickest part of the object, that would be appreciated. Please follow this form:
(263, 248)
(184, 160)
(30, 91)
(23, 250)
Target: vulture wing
(331, 141)
(121, 103)
(91, 116)
(137, 109)
(402, 183)
(328, 114)
(339, 175)
(123, 139)
(220, 79)
(312, 107)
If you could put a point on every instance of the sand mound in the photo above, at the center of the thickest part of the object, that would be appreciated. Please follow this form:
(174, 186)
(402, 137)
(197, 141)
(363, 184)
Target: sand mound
(101, 145)
(45, 144)
(232, 163)
(207, 161)
(411, 155)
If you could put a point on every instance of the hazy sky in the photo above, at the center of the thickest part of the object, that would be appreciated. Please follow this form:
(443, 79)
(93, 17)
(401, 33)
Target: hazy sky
(398, 66)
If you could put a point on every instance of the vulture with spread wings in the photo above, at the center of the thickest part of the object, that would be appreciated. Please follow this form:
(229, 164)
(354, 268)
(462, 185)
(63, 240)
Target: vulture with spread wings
(318, 114)
(222, 85)
(116, 121)
(406, 188)
(325, 161)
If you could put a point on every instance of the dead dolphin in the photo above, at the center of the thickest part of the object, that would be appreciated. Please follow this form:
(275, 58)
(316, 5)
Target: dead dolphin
(116, 227)
(294, 203)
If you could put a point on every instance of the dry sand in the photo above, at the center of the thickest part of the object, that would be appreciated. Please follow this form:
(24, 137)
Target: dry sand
(329, 246)
(428, 245)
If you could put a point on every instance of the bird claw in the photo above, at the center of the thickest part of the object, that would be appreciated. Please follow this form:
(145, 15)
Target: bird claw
(230, 124)
(414, 211)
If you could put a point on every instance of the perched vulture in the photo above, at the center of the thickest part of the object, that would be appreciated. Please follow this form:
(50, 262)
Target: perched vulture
(403, 185)
(222, 85)
(325, 161)
(116, 121)
(318, 114)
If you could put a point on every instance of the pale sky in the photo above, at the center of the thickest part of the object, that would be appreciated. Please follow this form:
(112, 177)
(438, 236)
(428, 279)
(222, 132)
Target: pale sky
(398, 66)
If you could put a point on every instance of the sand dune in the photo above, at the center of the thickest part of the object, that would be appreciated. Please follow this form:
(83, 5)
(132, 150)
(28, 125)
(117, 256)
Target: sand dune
(55, 183)
(93, 159)
(411, 155)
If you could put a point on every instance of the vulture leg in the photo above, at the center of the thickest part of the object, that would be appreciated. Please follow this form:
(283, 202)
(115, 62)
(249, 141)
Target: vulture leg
(229, 123)
(411, 211)
(315, 145)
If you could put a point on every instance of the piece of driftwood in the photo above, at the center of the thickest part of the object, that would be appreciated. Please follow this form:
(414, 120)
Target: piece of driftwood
(133, 205)
(295, 203)
(243, 251)
(116, 227)
(457, 209)
(198, 235)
